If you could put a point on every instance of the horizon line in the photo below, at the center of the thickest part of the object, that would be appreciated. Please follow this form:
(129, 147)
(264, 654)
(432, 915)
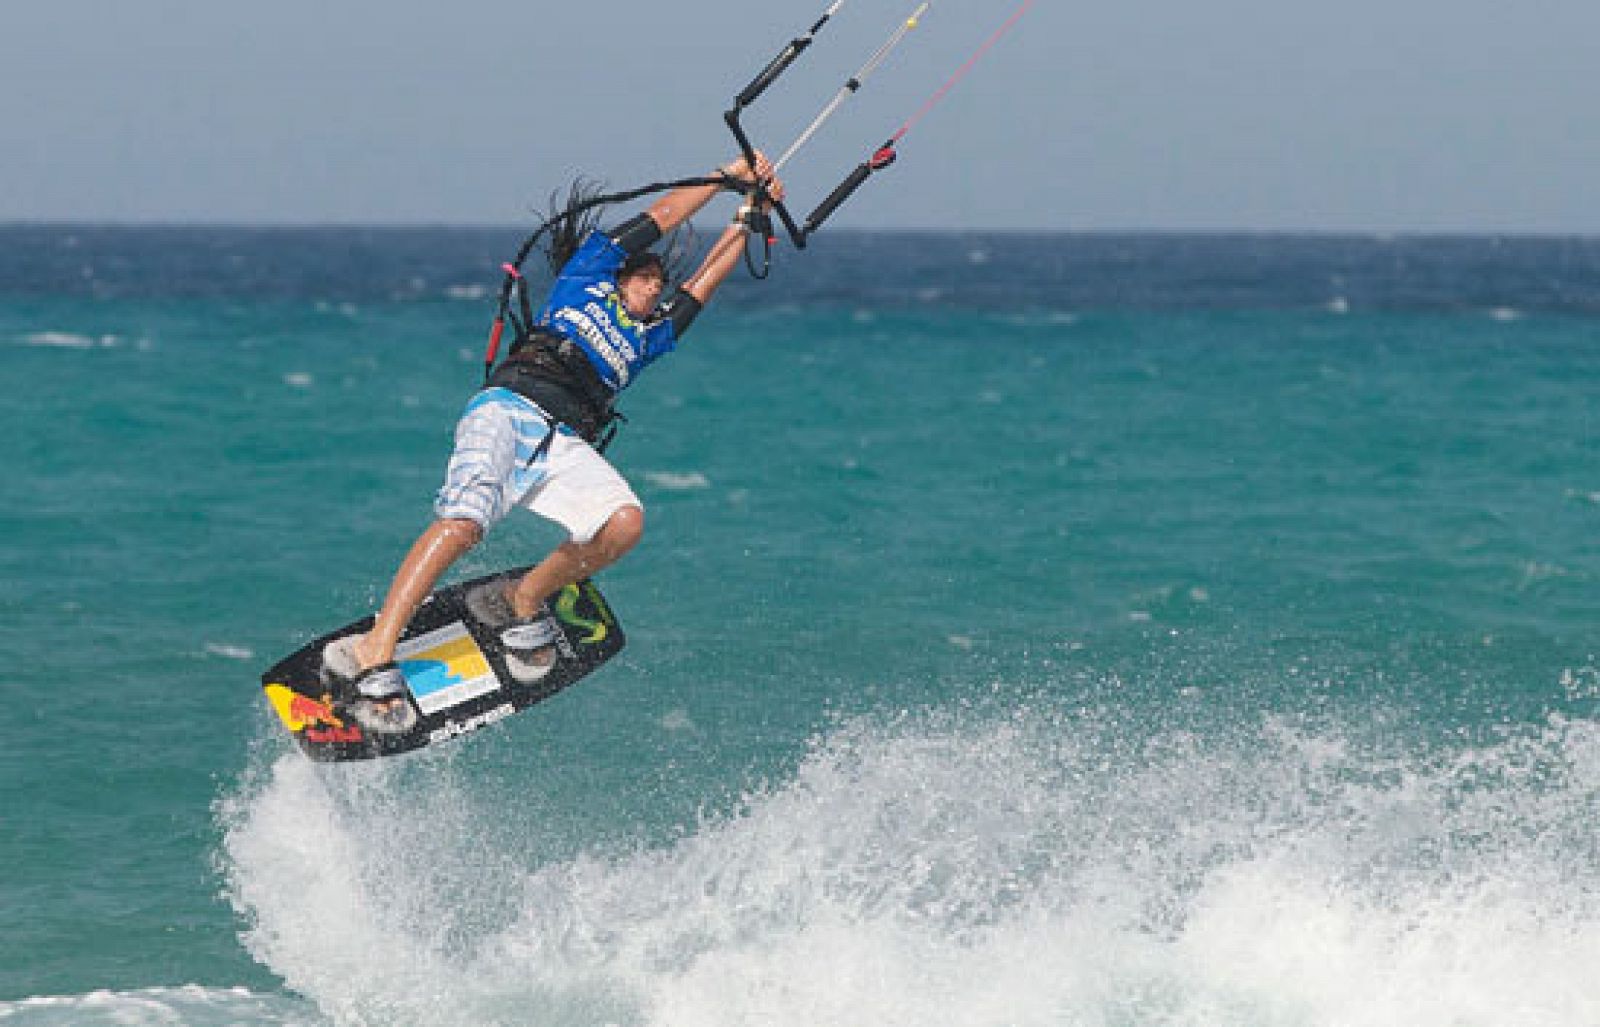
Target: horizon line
(476, 226)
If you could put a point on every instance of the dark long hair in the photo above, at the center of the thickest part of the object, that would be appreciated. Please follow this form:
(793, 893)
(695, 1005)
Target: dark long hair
(676, 251)
(572, 219)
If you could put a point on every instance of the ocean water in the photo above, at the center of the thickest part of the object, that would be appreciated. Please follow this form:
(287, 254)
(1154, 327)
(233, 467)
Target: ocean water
(1028, 630)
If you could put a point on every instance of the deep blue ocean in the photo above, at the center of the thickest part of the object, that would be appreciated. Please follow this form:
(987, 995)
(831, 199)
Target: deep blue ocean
(1040, 629)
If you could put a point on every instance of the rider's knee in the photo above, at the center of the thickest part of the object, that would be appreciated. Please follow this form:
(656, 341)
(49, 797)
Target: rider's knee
(623, 529)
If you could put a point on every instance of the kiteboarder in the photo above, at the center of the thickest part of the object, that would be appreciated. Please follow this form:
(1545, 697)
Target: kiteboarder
(534, 436)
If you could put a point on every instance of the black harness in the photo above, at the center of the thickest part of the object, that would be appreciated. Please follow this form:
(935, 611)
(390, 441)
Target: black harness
(549, 369)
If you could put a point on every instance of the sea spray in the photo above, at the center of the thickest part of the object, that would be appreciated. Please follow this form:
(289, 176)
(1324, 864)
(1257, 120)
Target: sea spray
(1036, 866)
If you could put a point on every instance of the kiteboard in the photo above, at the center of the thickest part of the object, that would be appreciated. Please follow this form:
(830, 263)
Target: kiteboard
(459, 676)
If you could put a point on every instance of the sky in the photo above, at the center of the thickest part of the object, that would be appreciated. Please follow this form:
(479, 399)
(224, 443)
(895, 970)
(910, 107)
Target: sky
(1257, 115)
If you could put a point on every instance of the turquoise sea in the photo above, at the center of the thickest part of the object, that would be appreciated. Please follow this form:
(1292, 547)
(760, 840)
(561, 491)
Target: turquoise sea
(1028, 630)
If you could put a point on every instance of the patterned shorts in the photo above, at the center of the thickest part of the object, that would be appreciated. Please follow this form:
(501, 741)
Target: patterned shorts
(502, 460)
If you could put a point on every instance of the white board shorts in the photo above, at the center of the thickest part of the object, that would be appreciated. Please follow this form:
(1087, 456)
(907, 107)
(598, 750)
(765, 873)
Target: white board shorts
(498, 465)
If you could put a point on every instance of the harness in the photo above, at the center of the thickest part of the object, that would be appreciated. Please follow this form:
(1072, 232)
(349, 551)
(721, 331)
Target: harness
(546, 368)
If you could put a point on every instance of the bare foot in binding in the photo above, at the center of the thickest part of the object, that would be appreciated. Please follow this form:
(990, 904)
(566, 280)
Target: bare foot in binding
(529, 642)
(375, 696)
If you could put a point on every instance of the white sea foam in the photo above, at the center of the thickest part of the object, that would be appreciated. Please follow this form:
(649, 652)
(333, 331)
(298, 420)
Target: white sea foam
(228, 650)
(189, 1004)
(677, 720)
(678, 481)
(1036, 868)
(72, 340)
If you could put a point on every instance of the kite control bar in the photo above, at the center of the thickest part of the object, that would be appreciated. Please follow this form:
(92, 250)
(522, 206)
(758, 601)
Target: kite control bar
(880, 158)
(750, 94)
(777, 66)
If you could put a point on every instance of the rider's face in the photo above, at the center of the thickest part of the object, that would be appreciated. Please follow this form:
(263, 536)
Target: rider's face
(641, 292)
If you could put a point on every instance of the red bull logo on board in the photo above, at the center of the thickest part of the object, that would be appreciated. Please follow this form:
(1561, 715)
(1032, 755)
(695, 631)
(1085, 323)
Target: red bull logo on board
(314, 718)
(299, 712)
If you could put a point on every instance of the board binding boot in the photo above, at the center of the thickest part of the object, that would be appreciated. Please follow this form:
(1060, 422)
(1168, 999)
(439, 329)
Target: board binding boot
(529, 643)
(375, 697)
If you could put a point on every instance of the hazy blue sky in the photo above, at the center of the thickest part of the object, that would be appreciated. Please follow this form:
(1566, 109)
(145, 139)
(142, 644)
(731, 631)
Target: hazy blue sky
(1258, 114)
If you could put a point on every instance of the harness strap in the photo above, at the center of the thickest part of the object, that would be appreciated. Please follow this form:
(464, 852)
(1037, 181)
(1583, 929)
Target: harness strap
(549, 370)
(527, 308)
(616, 421)
(543, 448)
